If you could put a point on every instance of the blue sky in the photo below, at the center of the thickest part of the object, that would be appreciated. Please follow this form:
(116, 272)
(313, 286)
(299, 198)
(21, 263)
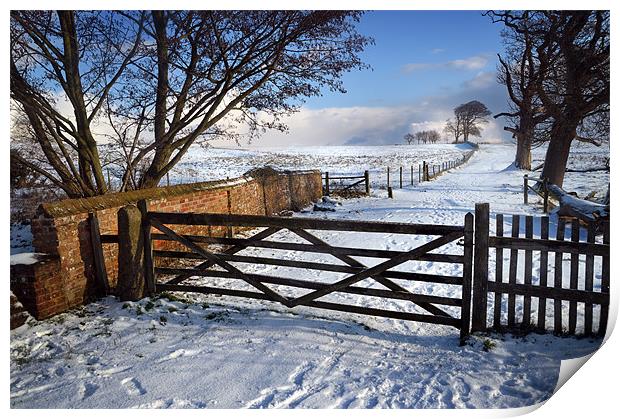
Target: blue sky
(424, 63)
(416, 37)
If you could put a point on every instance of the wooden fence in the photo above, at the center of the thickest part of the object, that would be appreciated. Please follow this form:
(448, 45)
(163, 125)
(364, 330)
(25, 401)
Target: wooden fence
(426, 172)
(542, 192)
(340, 187)
(568, 302)
(165, 278)
(526, 291)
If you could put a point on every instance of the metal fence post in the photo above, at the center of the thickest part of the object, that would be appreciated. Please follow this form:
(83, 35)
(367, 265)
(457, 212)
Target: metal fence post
(525, 180)
(367, 181)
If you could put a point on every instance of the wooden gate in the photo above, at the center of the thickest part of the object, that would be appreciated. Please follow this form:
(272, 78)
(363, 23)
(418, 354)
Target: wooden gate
(197, 247)
(550, 299)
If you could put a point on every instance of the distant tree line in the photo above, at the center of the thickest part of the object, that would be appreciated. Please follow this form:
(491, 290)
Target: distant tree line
(468, 121)
(425, 137)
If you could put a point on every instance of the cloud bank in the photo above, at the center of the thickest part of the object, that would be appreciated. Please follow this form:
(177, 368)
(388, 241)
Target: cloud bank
(365, 125)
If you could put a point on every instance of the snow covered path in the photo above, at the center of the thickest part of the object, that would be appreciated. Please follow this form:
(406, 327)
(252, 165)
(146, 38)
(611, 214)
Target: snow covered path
(224, 352)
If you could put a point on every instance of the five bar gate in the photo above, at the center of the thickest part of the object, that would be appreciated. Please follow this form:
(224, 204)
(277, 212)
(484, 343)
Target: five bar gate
(382, 273)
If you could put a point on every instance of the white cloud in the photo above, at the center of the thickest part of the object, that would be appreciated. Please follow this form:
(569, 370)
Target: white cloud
(437, 50)
(482, 80)
(477, 62)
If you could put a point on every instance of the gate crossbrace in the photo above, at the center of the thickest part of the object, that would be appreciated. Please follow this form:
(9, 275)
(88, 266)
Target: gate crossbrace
(230, 251)
(218, 261)
(377, 269)
(382, 280)
(353, 185)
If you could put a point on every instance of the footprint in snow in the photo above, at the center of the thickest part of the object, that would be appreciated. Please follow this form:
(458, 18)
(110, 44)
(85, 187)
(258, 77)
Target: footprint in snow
(133, 386)
(179, 353)
(87, 389)
(511, 388)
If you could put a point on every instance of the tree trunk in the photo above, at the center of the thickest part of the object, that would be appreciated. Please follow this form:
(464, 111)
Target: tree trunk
(523, 158)
(557, 153)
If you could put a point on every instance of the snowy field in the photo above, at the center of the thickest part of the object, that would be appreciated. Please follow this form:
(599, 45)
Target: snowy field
(244, 353)
(218, 163)
(582, 156)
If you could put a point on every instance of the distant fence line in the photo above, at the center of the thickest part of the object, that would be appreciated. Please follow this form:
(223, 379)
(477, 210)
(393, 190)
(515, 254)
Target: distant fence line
(424, 172)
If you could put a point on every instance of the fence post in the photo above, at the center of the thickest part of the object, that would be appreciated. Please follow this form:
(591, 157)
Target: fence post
(388, 176)
(367, 181)
(401, 177)
(467, 270)
(390, 192)
(149, 269)
(525, 189)
(327, 183)
(167, 179)
(98, 258)
(424, 171)
(412, 174)
(481, 269)
(131, 269)
(546, 196)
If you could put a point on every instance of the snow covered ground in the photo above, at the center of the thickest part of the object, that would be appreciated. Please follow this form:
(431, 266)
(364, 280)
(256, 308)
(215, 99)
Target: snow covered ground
(226, 352)
(218, 163)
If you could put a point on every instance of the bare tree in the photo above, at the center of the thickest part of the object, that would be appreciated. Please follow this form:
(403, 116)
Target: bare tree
(470, 116)
(566, 82)
(574, 58)
(409, 138)
(433, 136)
(519, 72)
(453, 129)
(76, 59)
(421, 137)
(163, 80)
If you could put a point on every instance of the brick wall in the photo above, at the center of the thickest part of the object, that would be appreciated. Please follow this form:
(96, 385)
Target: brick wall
(39, 287)
(62, 230)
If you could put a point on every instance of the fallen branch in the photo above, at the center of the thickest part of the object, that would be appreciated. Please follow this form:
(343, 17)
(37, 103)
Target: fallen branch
(571, 206)
(593, 169)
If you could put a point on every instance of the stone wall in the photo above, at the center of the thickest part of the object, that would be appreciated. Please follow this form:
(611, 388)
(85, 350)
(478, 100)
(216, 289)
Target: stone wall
(61, 229)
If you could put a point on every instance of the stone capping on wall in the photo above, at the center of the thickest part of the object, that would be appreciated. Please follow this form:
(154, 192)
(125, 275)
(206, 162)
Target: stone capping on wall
(68, 207)
(84, 205)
